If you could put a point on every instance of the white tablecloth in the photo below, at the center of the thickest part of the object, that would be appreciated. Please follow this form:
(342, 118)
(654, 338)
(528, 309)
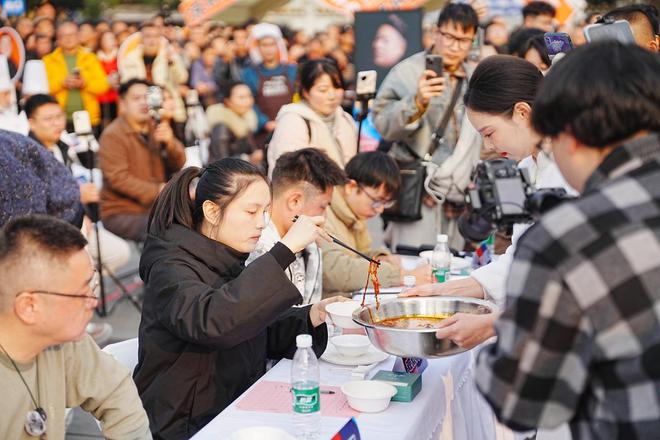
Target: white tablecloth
(448, 407)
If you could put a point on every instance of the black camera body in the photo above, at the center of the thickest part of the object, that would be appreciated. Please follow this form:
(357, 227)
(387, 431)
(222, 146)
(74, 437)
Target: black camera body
(502, 194)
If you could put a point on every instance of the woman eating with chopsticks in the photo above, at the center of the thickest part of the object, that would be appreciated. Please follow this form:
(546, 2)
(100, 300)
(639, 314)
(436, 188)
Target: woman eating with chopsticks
(209, 323)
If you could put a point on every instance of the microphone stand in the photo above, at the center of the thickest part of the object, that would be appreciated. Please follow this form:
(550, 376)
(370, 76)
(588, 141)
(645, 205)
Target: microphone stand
(156, 116)
(364, 113)
(91, 147)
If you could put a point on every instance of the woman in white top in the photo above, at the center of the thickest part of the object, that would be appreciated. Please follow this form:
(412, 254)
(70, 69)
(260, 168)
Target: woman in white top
(499, 103)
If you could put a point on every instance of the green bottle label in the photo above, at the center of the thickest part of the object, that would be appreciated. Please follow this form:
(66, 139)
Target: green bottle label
(306, 401)
(440, 275)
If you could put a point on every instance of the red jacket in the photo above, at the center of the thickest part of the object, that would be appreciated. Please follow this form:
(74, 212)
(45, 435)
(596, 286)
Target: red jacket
(110, 67)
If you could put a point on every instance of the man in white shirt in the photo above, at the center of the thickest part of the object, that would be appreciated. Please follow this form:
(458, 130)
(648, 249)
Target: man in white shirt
(302, 184)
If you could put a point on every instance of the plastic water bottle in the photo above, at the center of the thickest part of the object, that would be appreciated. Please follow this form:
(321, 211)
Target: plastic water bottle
(441, 259)
(305, 390)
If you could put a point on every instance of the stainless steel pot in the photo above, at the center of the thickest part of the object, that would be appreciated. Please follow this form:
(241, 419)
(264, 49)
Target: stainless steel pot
(420, 343)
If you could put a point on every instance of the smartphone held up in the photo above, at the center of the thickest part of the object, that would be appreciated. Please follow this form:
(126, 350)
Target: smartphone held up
(556, 43)
(434, 63)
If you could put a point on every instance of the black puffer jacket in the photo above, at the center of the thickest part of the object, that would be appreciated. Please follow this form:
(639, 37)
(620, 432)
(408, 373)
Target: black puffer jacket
(208, 326)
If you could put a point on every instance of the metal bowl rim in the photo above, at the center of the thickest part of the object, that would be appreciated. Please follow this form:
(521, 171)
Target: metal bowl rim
(493, 308)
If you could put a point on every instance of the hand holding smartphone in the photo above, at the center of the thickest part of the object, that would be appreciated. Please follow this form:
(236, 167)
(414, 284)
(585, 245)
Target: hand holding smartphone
(556, 43)
(434, 63)
(430, 86)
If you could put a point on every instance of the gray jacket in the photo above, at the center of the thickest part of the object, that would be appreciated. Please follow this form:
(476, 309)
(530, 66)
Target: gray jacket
(395, 106)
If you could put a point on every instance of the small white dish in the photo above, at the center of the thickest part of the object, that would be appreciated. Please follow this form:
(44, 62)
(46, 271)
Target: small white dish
(373, 355)
(351, 345)
(341, 313)
(260, 433)
(368, 396)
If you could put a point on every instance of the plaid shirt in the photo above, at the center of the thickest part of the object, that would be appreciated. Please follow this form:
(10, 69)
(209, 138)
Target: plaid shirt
(579, 339)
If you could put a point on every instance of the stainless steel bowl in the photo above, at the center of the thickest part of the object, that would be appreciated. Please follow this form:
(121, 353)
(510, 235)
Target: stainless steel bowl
(420, 343)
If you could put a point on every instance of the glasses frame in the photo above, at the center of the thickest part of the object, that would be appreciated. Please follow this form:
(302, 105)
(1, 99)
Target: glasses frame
(93, 286)
(375, 203)
(451, 39)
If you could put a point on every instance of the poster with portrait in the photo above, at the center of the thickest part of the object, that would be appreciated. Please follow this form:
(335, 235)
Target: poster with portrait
(384, 38)
(11, 46)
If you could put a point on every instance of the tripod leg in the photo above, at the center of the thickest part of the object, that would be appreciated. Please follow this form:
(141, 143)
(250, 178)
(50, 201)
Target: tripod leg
(359, 134)
(101, 310)
(123, 290)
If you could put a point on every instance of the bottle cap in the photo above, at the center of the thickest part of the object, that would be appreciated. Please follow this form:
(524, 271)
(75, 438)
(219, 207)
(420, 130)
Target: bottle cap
(304, 341)
(442, 238)
(409, 280)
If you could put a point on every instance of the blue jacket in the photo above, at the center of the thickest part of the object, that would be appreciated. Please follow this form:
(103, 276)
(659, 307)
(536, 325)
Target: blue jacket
(32, 181)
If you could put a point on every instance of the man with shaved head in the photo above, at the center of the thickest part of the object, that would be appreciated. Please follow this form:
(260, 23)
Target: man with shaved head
(47, 361)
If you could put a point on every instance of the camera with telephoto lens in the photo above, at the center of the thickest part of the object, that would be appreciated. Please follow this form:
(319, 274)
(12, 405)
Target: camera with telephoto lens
(502, 194)
(155, 102)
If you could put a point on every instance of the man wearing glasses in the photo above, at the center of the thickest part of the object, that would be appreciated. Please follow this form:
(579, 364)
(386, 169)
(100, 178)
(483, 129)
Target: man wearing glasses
(411, 104)
(47, 361)
(373, 185)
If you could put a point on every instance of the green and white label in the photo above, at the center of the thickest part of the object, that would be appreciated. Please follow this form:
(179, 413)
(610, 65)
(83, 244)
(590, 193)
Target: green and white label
(440, 275)
(306, 401)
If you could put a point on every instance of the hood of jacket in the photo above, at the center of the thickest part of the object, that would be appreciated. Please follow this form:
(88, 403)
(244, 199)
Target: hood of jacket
(241, 126)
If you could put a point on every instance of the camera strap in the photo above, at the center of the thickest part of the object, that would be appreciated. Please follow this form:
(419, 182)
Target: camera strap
(439, 132)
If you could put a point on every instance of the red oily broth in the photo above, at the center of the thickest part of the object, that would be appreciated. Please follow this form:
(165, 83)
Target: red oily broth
(414, 322)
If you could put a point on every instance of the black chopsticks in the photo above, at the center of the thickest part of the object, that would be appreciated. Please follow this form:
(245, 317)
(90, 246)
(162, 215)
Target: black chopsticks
(345, 246)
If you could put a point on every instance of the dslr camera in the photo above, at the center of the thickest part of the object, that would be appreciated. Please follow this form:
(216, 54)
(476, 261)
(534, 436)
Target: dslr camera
(502, 194)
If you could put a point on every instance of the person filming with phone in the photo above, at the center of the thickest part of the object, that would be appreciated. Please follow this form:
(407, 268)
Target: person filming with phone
(419, 108)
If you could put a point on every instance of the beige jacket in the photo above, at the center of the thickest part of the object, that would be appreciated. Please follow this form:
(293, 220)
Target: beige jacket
(66, 376)
(291, 134)
(343, 271)
(164, 74)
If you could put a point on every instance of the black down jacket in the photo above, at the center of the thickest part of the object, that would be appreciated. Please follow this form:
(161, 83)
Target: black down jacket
(208, 326)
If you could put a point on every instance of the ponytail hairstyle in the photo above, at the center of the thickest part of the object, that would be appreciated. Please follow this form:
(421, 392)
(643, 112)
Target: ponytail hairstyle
(501, 81)
(184, 195)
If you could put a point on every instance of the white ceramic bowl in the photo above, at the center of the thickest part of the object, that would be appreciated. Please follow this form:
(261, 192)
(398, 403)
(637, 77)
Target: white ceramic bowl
(351, 345)
(261, 433)
(341, 313)
(368, 396)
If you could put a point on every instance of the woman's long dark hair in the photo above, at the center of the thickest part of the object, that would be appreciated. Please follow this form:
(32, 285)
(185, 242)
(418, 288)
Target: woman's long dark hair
(501, 81)
(220, 182)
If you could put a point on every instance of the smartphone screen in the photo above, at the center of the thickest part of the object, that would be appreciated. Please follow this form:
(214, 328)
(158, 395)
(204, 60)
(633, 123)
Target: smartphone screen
(618, 31)
(557, 42)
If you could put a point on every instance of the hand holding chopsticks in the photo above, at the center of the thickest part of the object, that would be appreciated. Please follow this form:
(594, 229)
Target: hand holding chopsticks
(303, 232)
(345, 246)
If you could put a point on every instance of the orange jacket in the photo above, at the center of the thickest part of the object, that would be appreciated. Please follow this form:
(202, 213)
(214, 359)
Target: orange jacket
(91, 72)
